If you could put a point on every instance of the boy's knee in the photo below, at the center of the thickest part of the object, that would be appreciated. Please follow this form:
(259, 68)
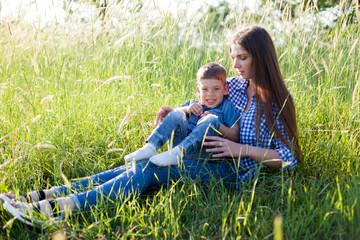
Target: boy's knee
(177, 115)
(210, 119)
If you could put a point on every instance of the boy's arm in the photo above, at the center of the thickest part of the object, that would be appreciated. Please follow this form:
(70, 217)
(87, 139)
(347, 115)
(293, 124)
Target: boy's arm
(232, 133)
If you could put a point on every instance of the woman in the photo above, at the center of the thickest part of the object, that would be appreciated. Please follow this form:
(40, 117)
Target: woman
(268, 137)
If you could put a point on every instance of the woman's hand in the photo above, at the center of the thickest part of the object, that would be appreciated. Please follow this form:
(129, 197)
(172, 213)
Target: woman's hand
(163, 111)
(225, 147)
(228, 148)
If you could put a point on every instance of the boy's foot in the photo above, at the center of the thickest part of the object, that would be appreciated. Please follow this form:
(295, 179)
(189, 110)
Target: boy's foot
(146, 151)
(171, 157)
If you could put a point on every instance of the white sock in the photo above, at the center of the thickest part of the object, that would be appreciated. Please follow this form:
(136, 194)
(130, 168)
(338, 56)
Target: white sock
(171, 157)
(146, 151)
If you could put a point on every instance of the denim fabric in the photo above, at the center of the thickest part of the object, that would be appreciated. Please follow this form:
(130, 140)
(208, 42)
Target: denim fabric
(225, 111)
(174, 128)
(118, 184)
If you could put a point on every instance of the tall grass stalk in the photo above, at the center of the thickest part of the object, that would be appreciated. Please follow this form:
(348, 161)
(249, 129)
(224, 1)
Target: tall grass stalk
(74, 103)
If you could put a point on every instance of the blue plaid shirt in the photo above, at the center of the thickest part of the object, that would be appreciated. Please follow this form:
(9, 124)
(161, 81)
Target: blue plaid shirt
(248, 166)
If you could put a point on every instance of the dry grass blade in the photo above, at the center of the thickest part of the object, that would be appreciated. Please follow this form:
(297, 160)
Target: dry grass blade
(115, 150)
(79, 95)
(355, 92)
(122, 39)
(111, 143)
(10, 161)
(353, 46)
(116, 78)
(8, 223)
(46, 99)
(36, 66)
(97, 81)
(124, 121)
(78, 81)
(327, 45)
(44, 145)
(35, 119)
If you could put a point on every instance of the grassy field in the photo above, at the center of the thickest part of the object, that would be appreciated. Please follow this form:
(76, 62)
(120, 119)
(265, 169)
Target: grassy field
(74, 103)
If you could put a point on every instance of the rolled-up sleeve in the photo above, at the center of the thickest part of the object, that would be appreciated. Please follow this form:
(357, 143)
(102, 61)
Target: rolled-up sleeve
(287, 156)
(288, 159)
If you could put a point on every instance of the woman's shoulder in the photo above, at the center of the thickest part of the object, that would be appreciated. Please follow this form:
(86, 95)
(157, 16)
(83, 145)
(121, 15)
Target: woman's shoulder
(235, 83)
(235, 80)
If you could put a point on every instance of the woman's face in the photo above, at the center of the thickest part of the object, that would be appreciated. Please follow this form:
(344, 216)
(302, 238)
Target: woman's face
(242, 61)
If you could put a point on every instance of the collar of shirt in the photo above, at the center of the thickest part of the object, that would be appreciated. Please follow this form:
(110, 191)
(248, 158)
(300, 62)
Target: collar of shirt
(243, 87)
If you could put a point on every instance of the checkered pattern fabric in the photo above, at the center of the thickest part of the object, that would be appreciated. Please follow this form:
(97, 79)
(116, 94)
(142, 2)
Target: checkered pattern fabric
(266, 139)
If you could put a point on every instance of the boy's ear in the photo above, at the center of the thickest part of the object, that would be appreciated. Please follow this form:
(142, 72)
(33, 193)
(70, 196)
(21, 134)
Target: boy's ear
(226, 89)
(198, 89)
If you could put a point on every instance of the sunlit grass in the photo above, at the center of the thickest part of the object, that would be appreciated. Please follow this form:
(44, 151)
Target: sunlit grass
(74, 104)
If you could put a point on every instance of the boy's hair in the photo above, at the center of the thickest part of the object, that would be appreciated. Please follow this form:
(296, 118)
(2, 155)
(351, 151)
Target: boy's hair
(211, 71)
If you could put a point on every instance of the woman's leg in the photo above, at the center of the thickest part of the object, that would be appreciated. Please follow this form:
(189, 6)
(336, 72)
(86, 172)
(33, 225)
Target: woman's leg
(147, 175)
(28, 212)
(60, 205)
(197, 170)
(127, 184)
(77, 186)
(33, 196)
(89, 182)
(135, 181)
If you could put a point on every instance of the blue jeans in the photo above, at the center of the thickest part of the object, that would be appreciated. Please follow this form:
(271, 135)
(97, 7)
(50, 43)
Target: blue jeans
(118, 183)
(174, 129)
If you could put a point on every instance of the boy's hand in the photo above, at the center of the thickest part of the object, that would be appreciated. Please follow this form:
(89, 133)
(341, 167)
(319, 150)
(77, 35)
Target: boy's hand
(195, 108)
(205, 114)
(163, 111)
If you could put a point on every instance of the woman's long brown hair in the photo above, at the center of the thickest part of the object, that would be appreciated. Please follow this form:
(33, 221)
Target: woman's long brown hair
(269, 85)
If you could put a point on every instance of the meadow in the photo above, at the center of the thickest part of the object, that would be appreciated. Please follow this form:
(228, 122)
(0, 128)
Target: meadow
(72, 104)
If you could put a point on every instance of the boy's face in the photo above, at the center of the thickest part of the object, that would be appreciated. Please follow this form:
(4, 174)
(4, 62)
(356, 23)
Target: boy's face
(211, 92)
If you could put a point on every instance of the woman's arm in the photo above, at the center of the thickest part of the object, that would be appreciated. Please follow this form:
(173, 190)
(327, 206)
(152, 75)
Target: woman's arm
(163, 111)
(228, 148)
(232, 133)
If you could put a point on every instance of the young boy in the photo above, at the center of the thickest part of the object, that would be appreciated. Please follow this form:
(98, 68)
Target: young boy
(193, 121)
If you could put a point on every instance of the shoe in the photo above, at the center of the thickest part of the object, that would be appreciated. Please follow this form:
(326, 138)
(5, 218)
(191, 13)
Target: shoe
(35, 219)
(5, 198)
(18, 214)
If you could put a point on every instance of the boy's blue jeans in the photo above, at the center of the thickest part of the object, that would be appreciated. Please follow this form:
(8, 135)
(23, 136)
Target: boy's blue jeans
(121, 183)
(174, 128)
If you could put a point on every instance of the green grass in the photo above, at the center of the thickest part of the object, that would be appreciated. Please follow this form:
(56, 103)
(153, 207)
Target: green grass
(60, 115)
